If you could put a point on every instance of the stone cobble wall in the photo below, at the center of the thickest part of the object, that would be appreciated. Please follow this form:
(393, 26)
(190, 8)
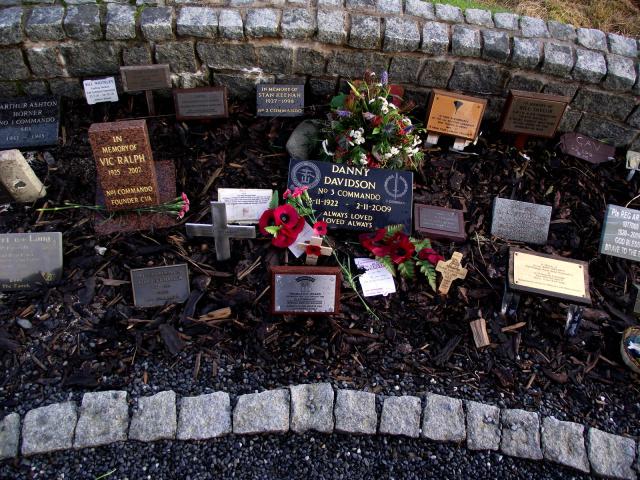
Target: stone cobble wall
(238, 43)
(104, 417)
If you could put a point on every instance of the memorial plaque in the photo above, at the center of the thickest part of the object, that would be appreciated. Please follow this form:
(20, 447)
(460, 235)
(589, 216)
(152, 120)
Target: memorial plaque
(355, 198)
(549, 275)
(454, 114)
(29, 121)
(537, 114)
(201, 103)
(305, 290)
(274, 100)
(100, 90)
(245, 205)
(521, 221)
(145, 77)
(586, 148)
(440, 223)
(158, 286)
(28, 260)
(621, 233)
(124, 163)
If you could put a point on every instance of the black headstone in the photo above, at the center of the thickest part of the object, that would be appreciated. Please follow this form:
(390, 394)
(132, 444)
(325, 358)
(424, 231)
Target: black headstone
(28, 260)
(29, 121)
(521, 221)
(621, 233)
(273, 100)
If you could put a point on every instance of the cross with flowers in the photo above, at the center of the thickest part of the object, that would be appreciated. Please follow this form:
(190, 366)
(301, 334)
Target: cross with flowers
(315, 250)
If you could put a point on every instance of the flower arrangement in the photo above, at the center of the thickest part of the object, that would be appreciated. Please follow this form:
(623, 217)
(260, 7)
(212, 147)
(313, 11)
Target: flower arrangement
(399, 252)
(368, 128)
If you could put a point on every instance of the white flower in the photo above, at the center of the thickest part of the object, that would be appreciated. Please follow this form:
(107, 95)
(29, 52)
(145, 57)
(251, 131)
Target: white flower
(392, 105)
(406, 121)
(383, 100)
(387, 155)
(394, 151)
(416, 141)
(324, 147)
(361, 130)
(359, 141)
(384, 109)
(352, 133)
(363, 159)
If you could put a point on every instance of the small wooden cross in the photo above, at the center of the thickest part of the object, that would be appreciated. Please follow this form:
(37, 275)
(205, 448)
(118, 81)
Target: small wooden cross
(220, 230)
(451, 270)
(316, 242)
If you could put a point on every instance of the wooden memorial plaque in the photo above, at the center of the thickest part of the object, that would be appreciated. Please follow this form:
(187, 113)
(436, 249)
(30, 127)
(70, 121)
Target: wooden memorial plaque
(201, 103)
(454, 114)
(440, 223)
(305, 290)
(537, 114)
(549, 275)
(145, 77)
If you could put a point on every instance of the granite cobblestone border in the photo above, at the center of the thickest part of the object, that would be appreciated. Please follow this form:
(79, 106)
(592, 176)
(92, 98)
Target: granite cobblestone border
(104, 418)
(50, 47)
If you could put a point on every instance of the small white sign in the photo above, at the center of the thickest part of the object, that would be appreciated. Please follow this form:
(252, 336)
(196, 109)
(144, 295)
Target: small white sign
(376, 280)
(100, 90)
(304, 236)
(245, 205)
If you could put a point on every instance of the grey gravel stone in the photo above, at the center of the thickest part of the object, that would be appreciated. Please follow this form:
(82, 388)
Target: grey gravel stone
(478, 78)
(563, 443)
(156, 23)
(420, 8)
(436, 72)
(299, 143)
(45, 23)
(48, 429)
(331, 26)
(401, 416)
(45, 61)
(227, 55)
(199, 22)
(443, 419)
(136, 55)
(617, 134)
(310, 61)
(265, 412)
(389, 6)
(204, 416)
(506, 21)
(262, 22)
(435, 38)
(496, 45)
(611, 455)
(621, 45)
(621, 73)
(558, 59)
(604, 103)
(465, 41)
(11, 26)
(230, 24)
(154, 418)
(533, 27)
(477, 16)
(12, 66)
(83, 22)
(365, 32)
(590, 66)
(298, 23)
(104, 418)
(120, 22)
(592, 38)
(312, 408)
(483, 426)
(180, 56)
(520, 434)
(355, 412)
(9, 436)
(405, 68)
(562, 31)
(449, 13)
(401, 35)
(526, 52)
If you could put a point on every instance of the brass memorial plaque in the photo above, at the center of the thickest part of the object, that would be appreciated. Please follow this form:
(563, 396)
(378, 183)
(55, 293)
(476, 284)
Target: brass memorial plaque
(454, 114)
(537, 114)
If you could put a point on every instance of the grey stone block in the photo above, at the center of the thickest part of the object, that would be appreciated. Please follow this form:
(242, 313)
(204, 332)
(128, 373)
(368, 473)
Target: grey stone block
(45, 23)
(204, 416)
(35, 87)
(365, 32)
(262, 22)
(533, 27)
(443, 419)
(478, 78)
(45, 61)
(9, 436)
(401, 35)
(496, 45)
(355, 412)
(360, 5)
(331, 26)
(465, 41)
(312, 408)
(565, 89)
(120, 22)
(240, 3)
(526, 52)
(401, 416)
(79, 2)
(621, 45)
(476, 16)
(136, 55)
(506, 21)
(435, 38)
(330, 3)
(104, 418)
(621, 73)
(11, 26)
(520, 434)
(230, 24)
(83, 22)
(101, 59)
(562, 31)
(389, 6)
(590, 66)
(66, 87)
(405, 68)
(156, 23)
(11, 3)
(275, 59)
(298, 23)
(483, 426)
(353, 64)
(558, 59)
(604, 103)
(191, 80)
(49, 429)
(180, 56)
(226, 55)
(563, 443)
(525, 81)
(592, 38)
(617, 134)
(420, 8)
(322, 86)
(611, 455)
(570, 120)
(8, 90)
(310, 62)
(449, 13)
(12, 66)
(436, 73)
(154, 418)
(265, 412)
(199, 22)
(634, 118)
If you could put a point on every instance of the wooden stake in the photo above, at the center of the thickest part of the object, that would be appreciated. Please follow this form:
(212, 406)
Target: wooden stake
(150, 104)
(479, 330)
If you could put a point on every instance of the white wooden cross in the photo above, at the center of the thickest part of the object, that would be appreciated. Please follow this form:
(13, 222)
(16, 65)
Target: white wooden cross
(316, 242)
(451, 270)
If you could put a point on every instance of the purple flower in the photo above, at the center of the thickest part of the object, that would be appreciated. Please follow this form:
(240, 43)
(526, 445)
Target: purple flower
(389, 128)
(368, 115)
(343, 113)
(384, 78)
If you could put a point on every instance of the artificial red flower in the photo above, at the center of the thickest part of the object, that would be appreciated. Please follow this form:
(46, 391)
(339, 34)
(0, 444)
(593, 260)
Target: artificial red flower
(299, 191)
(284, 238)
(371, 162)
(430, 255)
(320, 228)
(401, 249)
(287, 216)
(298, 227)
(396, 92)
(286, 194)
(313, 250)
(374, 242)
(377, 120)
(267, 219)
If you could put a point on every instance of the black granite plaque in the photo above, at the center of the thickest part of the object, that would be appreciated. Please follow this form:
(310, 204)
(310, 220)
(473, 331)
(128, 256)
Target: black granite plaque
(440, 223)
(355, 198)
(621, 233)
(29, 121)
(157, 286)
(274, 100)
(28, 260)
(521, 221)
(201, 103)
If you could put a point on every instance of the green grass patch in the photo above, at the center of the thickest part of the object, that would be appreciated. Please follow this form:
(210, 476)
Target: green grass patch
(464, 4)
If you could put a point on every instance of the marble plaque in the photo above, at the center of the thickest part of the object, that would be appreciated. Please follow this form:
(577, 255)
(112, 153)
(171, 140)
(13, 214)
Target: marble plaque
(158, 286)
(521, 221)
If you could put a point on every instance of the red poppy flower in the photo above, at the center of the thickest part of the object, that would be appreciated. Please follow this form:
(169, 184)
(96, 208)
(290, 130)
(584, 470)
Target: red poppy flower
(320, 228)
(287, 216)
(284, 239)
(377, 120)
(401, 248)
(313, 250)
(267, 219)
(374, 242)
(298, 227)
(430, 255)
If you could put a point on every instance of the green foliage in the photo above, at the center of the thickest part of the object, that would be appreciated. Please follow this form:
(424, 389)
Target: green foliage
(338, 101)
(392, 230)
(420, 243)
(388, 264)
(273, 229)
(407, 269)
(428, 271)
(273, 203)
